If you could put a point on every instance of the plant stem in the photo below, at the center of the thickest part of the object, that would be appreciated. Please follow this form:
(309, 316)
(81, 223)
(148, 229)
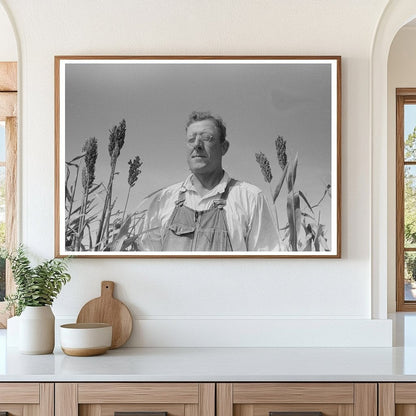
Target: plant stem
(125, 206)
(295, 233)
(107, 202)
(82, 217)
(277, 218)
(72, 195)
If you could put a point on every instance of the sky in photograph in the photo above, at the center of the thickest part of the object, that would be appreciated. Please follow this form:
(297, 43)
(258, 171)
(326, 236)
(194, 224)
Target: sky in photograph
(257, 102)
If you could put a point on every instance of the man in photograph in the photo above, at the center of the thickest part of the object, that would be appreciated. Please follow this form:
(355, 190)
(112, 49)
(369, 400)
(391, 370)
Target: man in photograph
(209, 210)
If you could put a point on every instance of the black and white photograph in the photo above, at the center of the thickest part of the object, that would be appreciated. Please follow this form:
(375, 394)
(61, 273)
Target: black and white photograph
(197, 157)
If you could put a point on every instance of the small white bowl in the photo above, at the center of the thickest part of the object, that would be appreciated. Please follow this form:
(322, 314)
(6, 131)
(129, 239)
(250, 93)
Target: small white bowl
(84, 340)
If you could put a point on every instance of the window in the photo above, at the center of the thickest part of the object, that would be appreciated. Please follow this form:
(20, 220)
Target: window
(406, 199)
(8, 165)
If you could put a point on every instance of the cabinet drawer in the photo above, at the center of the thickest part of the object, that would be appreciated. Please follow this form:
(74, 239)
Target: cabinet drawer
(270, 399)
(148, 399)
(21, 399)
(138, 393)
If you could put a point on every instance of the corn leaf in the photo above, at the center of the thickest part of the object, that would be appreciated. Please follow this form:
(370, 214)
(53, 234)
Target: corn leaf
(71, 162)
(304, 214)
(294, 217)
(280, 184)
(306, 201)
(309, 236)
(68, 196)
(320, 239)
(323, 243)
(308, 245)
(319, 233)
(117, 243)
(291, 177)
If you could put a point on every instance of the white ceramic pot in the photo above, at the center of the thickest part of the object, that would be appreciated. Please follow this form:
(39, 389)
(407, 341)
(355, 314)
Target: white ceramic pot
(85, 339)
(37, 330)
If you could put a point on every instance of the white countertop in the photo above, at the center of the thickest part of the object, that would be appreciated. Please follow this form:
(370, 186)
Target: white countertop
(221, 364)
(215, 364)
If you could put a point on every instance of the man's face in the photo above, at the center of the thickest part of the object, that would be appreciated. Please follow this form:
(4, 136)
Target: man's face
(204, 149)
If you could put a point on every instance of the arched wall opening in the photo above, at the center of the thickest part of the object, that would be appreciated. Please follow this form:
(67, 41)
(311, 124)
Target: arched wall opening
(396, 15)
(401, 74)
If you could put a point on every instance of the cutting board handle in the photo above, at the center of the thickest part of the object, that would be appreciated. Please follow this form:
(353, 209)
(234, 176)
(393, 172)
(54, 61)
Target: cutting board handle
(107, 289)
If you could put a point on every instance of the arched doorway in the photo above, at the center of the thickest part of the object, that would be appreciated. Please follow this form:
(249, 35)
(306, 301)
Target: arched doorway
(395, 16)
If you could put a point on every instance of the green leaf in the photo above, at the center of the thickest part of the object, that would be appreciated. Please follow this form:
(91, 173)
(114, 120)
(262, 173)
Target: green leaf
(35, 286)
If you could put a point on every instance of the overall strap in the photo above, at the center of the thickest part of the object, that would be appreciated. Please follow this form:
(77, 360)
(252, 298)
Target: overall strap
(221, 202)
(230, 184)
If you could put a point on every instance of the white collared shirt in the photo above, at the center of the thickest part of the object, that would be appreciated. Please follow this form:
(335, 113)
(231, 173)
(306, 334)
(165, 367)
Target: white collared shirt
(249, 221)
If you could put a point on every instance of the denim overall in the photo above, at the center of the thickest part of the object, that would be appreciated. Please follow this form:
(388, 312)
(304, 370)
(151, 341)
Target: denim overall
(190, 230)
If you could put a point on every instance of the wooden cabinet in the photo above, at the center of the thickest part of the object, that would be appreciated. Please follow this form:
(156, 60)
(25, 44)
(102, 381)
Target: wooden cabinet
(331, 399)
(208, 399)
(106, 399)
(397, 399)
(27, 399)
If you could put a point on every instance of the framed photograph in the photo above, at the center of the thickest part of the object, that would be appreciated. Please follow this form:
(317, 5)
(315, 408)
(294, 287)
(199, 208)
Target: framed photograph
(198, 156)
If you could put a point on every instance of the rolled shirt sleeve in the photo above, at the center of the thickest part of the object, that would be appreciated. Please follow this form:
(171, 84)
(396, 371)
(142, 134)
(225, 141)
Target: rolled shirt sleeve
(262, 234)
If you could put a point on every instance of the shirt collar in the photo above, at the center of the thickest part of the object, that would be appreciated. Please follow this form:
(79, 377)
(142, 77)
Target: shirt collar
(218, 189)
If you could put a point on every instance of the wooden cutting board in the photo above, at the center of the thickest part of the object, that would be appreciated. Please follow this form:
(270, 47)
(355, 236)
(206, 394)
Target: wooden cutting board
(109, 310)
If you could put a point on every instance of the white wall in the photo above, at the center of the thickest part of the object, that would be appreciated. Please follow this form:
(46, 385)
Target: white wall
(401, 74)
(8, 46)
(203, 302)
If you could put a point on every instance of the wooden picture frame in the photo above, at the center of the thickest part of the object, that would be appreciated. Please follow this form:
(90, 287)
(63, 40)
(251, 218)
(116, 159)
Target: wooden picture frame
(121, 140)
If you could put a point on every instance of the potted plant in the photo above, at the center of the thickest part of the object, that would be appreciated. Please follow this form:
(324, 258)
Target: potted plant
(36, 289)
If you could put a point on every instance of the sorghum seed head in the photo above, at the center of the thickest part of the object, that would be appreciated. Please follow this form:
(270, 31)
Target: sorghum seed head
(264, 166)
(88, 173)
(134, 170)
(280, 143)
(117, 135)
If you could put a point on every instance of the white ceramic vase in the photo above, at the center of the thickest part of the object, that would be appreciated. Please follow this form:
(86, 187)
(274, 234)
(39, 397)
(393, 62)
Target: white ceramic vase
(37, 330)
(12, 334)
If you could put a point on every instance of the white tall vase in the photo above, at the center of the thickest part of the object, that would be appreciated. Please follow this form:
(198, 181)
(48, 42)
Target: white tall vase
(37, 330)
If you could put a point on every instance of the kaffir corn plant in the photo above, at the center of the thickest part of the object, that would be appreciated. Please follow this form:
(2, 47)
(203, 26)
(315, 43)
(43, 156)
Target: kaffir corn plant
(298, 217)
(91, 226)
(134, 172)
(117, 136)
(88, 177)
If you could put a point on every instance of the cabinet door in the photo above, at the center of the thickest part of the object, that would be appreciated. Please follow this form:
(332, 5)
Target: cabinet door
(397, 399)
(26, 399)
(142, 399)
(297, 399)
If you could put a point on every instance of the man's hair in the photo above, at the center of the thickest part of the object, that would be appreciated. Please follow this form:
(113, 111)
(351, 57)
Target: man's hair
(206, 115)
